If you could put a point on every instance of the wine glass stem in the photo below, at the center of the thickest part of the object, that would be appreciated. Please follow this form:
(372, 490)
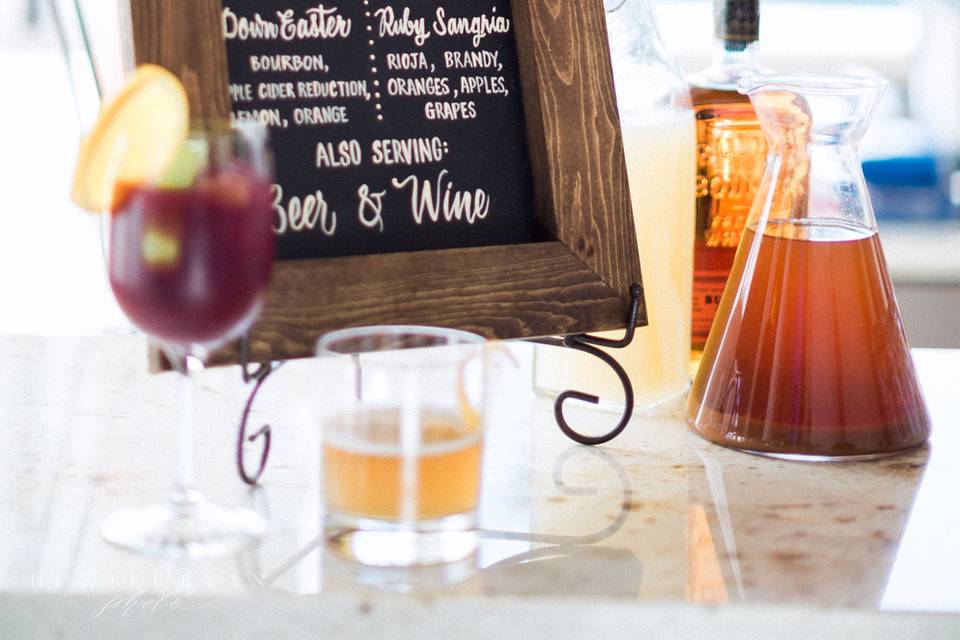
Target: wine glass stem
(185, 483)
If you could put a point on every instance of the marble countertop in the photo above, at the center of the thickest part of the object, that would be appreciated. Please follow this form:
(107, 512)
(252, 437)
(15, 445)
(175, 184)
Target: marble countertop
(657, 532)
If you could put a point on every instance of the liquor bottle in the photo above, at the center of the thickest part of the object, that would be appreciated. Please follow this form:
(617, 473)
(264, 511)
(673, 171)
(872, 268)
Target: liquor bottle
(659, 144)
(731, 156)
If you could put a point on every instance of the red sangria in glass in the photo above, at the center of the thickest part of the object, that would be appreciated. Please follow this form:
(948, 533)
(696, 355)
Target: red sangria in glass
(189, 258)
(189, 265)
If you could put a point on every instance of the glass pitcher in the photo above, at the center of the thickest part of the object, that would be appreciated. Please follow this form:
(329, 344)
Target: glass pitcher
(808, 358)
(659, 139)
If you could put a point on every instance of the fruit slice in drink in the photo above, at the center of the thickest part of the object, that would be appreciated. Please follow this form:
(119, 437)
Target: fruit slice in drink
(135, 140)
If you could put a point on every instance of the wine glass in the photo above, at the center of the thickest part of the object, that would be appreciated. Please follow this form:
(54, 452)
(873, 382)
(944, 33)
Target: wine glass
(189, 258)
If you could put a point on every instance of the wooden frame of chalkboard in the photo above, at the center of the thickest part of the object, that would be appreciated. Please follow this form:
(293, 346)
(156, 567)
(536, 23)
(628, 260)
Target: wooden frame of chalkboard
(577, 281)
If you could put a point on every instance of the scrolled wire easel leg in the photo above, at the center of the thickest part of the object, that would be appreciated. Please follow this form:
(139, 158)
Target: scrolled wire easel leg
(588, 344)
(258, 376)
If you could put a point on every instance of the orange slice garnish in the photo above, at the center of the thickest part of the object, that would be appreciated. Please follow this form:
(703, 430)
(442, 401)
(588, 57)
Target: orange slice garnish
(136, 137)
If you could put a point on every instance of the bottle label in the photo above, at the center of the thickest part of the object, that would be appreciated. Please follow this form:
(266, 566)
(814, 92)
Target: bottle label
(708, 288)
(731, 155)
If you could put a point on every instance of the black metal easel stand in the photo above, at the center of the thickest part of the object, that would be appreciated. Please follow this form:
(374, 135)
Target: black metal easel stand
(257, 376)
(581, 342)
(588, 344)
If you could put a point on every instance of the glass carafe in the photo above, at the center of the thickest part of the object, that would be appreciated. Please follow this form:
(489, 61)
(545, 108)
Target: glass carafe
(808, 358)
(659, 139)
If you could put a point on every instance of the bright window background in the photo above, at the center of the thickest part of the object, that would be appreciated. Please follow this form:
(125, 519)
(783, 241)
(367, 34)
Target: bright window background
(53, 278)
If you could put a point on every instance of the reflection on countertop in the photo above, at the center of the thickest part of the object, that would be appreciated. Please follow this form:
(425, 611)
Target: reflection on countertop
(659, 515)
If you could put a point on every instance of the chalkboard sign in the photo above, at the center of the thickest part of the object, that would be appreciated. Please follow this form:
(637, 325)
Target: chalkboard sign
(450, 163)
(398, 126)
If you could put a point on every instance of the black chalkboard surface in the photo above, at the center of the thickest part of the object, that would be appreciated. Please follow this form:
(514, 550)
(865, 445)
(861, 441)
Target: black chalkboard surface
(397, 126)
(578, 278)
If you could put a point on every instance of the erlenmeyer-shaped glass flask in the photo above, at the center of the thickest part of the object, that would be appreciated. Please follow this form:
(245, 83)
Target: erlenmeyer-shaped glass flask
(807, 357)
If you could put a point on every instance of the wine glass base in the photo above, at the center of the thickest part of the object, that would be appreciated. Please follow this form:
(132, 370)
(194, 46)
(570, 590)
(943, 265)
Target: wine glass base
(193, 530)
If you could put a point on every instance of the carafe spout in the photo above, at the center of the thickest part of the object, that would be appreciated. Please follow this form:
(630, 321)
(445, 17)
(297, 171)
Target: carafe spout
(840, 107)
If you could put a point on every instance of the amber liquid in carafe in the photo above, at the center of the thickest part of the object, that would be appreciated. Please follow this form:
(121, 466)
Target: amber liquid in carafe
(821, 365)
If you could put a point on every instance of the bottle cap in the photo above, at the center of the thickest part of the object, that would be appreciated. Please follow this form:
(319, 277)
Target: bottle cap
(737, 22)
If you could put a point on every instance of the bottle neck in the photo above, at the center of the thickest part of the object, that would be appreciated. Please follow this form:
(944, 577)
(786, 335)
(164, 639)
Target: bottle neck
(736, 41)
(735, 58)
(728, 66)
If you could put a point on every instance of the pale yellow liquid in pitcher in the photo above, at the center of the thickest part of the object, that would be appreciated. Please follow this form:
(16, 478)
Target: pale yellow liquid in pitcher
(661, 166)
